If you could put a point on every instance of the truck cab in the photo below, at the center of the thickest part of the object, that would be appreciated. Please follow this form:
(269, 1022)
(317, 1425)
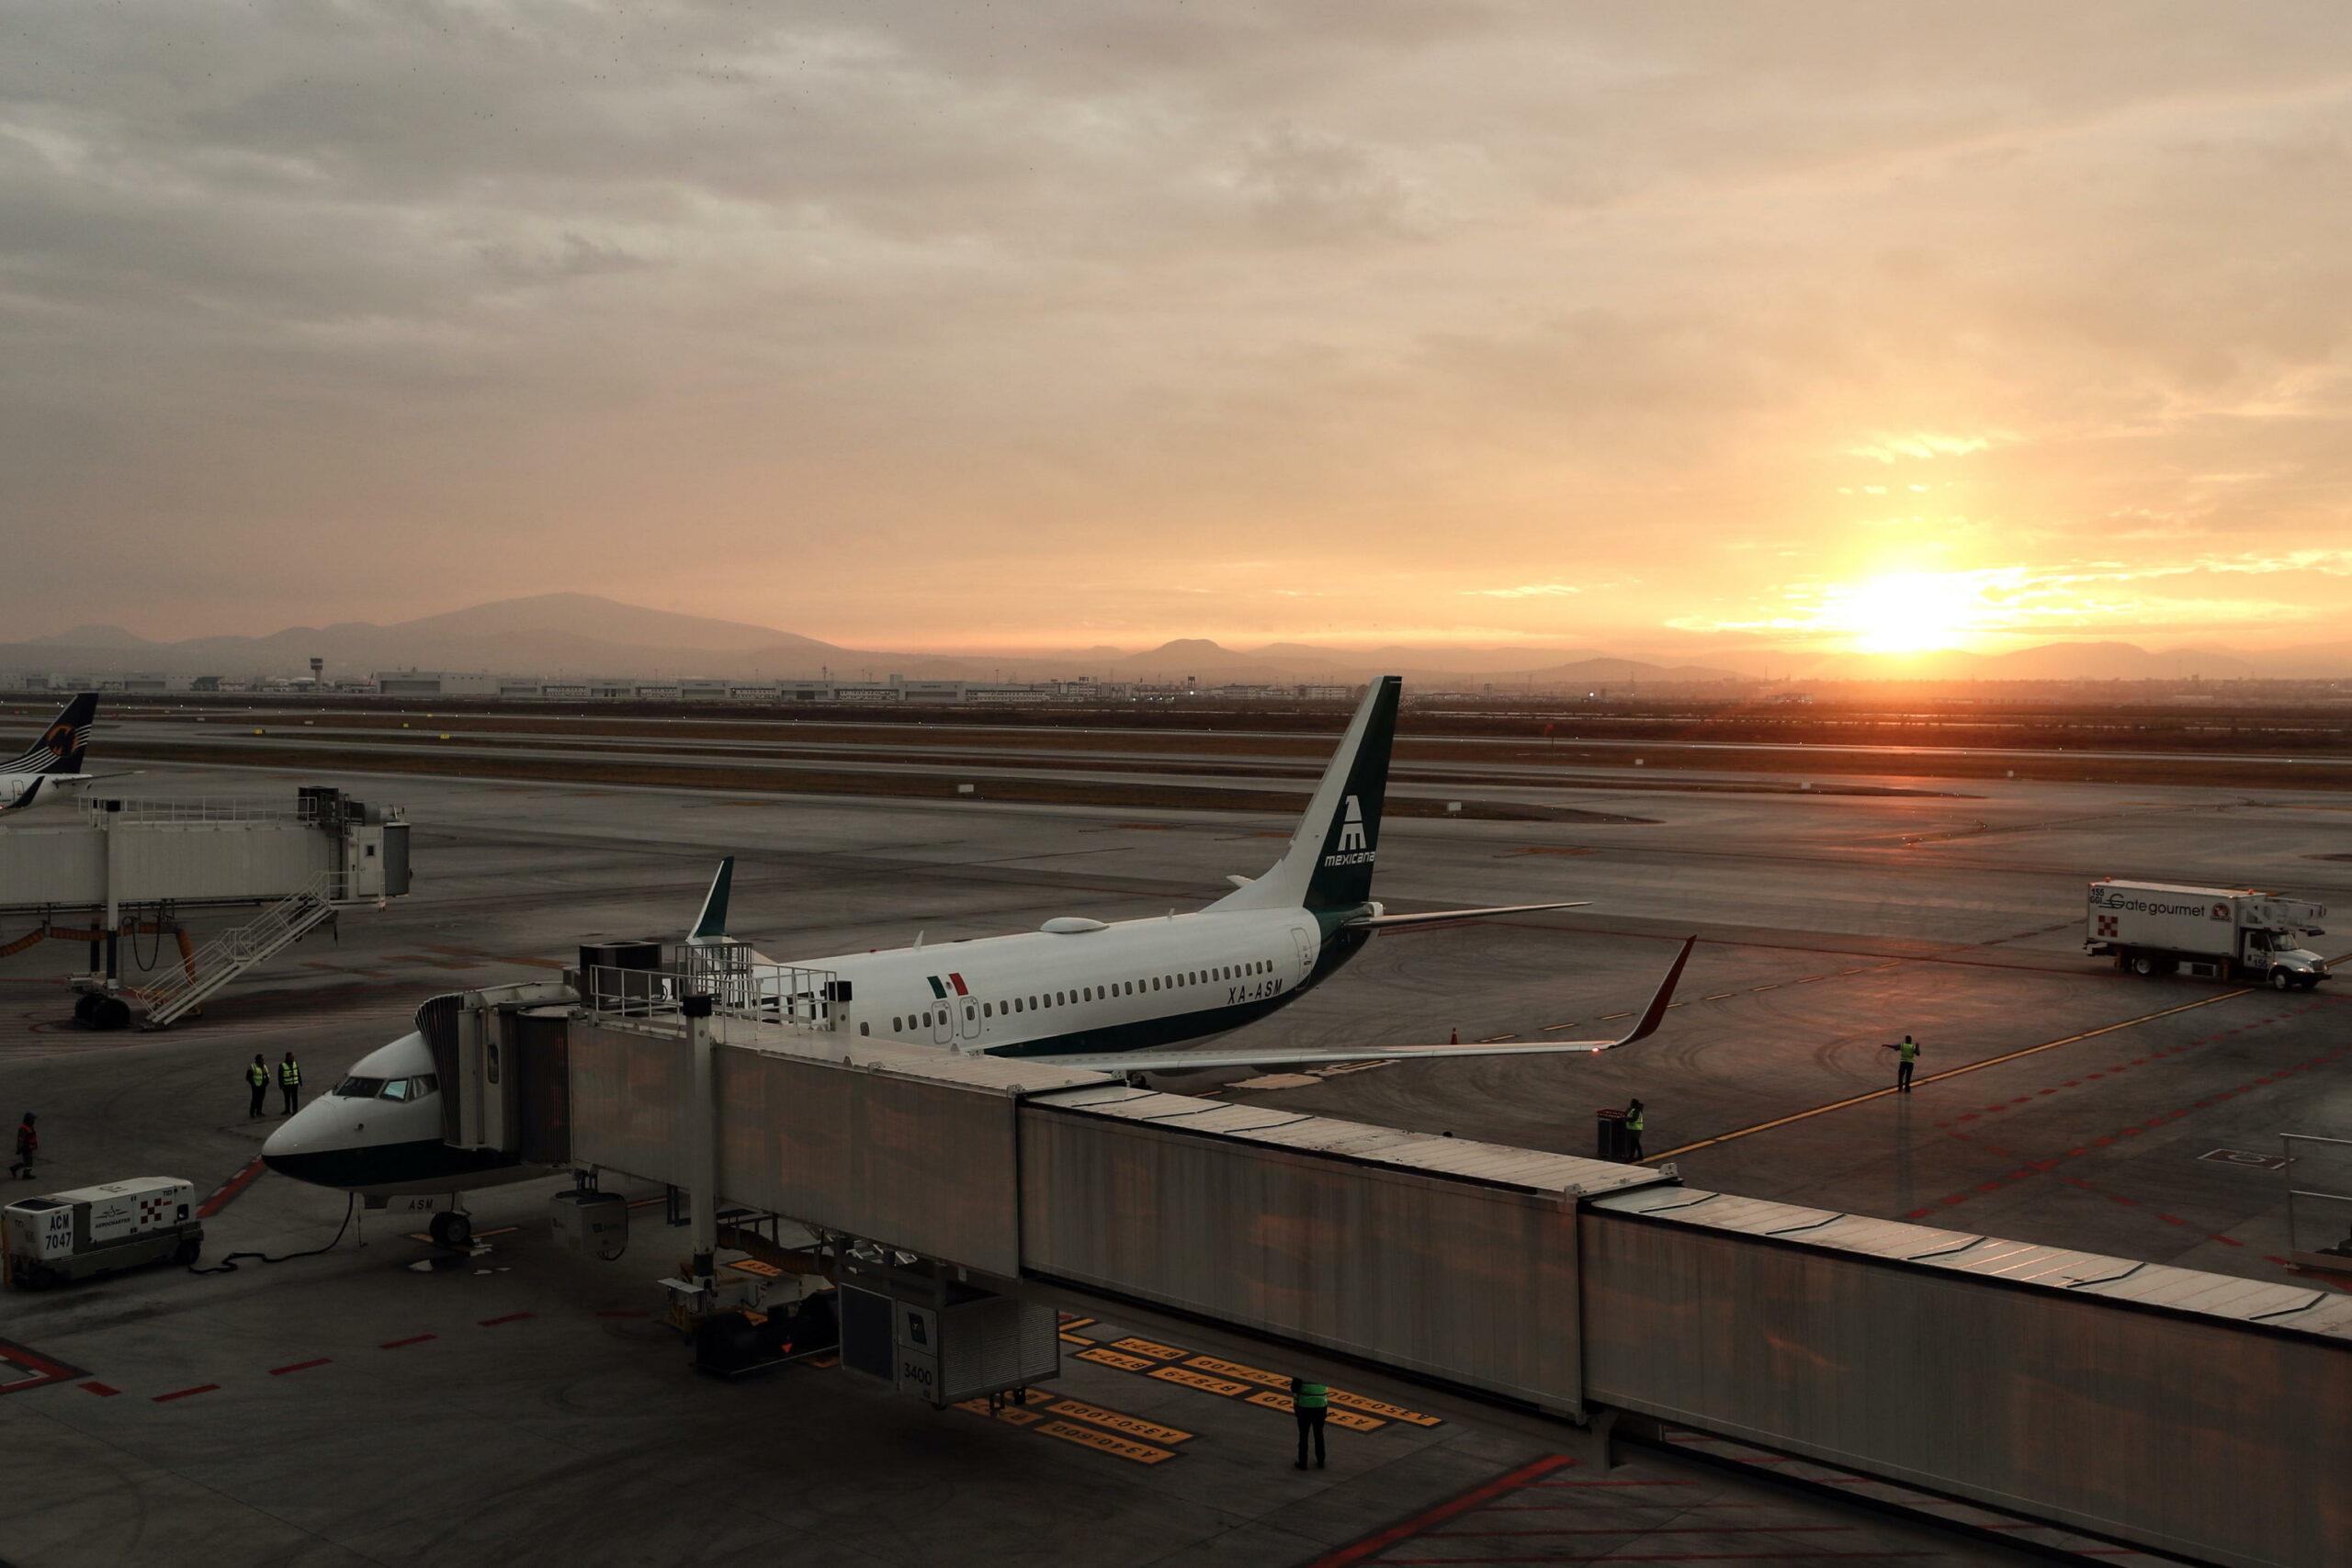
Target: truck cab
(2279, 957)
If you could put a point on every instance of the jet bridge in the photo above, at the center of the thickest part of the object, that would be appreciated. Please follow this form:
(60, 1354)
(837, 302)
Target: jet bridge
(2182, 1411)
(111, 867)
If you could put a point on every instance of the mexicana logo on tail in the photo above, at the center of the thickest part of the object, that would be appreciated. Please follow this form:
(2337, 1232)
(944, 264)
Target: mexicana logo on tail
(1353, 849)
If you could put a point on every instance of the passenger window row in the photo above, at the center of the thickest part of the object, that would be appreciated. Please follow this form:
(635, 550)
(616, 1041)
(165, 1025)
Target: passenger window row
(899, 1025)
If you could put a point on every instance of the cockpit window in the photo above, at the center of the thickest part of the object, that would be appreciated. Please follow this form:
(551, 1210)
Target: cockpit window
(422, 1085)
(396, 1089)
(357, 1087)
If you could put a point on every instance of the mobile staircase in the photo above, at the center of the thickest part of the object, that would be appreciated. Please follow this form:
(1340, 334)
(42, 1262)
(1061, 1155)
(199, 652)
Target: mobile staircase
(241, 948)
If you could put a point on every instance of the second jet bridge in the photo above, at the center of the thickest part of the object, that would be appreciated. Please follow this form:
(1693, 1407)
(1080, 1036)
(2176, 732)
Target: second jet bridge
(2187, 1413)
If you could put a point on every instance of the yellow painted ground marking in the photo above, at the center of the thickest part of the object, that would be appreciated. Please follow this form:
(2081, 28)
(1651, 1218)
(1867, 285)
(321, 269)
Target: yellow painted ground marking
(1382, 1408)
(753, 1266)
(1948, 1073)
(1152, 1348)
(825, 1361)
(1071, 1324)
(1104, 1442)
(1010, 1415)
(1128, 1426)
(1346, 1420)
(1112, 1358)
(1238, 1370)
(1074, 1339)
(1201, 1380)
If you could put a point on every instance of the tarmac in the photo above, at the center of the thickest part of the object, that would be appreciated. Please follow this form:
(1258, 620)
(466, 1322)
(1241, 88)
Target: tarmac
(368, 1404)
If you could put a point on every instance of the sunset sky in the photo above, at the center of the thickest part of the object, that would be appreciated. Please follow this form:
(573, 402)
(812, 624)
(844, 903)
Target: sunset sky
(1658, 328)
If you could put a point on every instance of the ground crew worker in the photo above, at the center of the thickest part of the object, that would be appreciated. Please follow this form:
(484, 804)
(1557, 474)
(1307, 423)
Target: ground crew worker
(257, 1079)
(1909, 1051)
(290, 1078)
(1310, 1406)
(28, 1146)
(1634, 1127)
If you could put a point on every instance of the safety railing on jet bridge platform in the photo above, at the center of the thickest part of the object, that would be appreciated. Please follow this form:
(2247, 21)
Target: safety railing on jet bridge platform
(771, 993)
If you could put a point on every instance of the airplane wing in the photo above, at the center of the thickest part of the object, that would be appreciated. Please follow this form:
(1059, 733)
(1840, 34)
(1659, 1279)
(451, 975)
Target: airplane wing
(1429, 918)
(1278, 1055)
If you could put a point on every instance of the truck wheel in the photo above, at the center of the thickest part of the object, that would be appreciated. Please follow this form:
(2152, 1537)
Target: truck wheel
(2144, 965)
(188, 1250)
(2281, 981)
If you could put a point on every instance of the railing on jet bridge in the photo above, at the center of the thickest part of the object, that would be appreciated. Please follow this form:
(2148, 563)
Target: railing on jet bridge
(768, 993)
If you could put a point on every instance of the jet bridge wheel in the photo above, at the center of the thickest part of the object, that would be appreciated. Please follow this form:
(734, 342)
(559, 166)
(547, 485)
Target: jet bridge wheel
(451, 1229)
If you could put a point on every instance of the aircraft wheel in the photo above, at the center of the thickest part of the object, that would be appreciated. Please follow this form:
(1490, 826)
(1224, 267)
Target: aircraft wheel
(453, 1230)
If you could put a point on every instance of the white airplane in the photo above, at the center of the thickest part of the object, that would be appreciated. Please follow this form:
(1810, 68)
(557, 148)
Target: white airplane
(1083, 992)
(49, 772)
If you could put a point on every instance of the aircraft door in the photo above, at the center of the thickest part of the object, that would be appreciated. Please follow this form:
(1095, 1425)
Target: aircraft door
(968, 1018)
(1305, 940)
(943, 1021)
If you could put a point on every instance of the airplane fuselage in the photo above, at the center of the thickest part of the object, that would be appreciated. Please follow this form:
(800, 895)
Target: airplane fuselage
(46, 790)
(1087, 986)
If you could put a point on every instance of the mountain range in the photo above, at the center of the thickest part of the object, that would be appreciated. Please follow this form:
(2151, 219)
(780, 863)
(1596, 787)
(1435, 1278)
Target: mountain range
(582, 634)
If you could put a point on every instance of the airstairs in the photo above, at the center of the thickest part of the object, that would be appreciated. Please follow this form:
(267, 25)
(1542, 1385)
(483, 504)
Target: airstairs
(235, 951)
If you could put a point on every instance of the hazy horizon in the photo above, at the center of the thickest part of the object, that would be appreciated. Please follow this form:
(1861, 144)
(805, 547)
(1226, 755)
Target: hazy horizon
(1658, 330)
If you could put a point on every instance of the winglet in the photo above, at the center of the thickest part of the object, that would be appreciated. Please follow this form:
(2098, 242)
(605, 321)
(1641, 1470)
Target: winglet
(32, 792)
(1655, 1013)
(711, 924)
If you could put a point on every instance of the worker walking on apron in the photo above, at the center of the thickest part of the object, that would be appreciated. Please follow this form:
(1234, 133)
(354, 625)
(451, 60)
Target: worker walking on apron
(28, 1146)
(257, 1079)
(1909, 1052)
(289, 1080)
(1633, 1130)
(1310, 1406)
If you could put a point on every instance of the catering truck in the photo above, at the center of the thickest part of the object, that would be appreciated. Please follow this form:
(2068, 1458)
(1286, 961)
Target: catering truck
(96, 1230)
(2235, 933)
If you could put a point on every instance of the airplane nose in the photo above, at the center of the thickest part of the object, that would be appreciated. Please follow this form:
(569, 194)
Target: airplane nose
(294, 1137)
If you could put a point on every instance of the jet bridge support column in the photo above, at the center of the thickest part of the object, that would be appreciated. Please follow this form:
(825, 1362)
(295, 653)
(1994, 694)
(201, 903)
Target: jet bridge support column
(701, 1142)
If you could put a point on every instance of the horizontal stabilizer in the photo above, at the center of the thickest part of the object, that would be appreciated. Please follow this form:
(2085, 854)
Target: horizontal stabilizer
(1276, 1055)
(1452, 917)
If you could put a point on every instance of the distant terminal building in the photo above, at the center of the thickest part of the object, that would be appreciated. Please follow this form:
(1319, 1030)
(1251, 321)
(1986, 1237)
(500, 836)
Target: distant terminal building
(436, 683)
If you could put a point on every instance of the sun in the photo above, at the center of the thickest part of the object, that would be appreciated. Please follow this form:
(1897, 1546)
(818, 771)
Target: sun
(1908, 612)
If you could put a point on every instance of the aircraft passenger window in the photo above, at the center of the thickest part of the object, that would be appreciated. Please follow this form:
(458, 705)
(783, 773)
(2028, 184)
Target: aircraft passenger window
(896, 1025)
(865, 1029)
(1086, 994)
(396, 1089)
(968, 1014)
(988, 1010)
(1033, 1004)
(359, 1089)
(1155, 982)
(1059, 998)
